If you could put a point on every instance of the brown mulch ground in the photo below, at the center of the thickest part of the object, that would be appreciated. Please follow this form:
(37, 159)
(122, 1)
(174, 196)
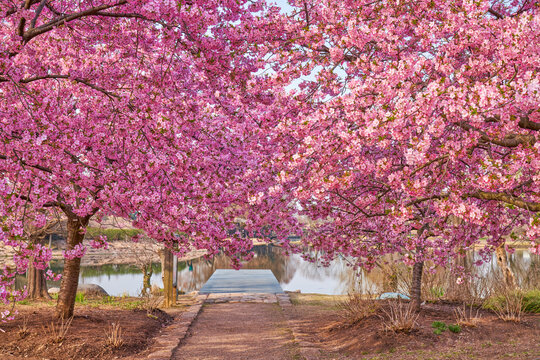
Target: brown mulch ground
(261, 331)
(86, 338)
(490, 339)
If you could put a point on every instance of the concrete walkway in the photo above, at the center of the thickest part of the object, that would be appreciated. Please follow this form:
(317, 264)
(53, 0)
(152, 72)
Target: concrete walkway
(246, 315)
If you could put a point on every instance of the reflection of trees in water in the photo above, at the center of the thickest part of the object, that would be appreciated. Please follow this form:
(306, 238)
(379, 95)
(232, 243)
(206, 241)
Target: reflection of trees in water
(391, 277)
(524, 265)
(198, 271)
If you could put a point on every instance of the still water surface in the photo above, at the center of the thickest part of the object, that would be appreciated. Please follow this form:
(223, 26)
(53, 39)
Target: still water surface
(293, 273)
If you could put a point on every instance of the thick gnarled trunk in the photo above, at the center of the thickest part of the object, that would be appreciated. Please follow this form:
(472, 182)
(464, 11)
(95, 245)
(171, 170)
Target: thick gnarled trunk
(416, 286)
(72, 267)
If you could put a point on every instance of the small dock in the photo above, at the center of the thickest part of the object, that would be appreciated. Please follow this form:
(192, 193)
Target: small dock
(245, 281)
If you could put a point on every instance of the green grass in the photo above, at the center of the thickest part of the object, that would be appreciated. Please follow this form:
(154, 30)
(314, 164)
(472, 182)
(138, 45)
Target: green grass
(531, 301)
(326, 301)
(111, 234)
(530, 304)
(80, 298)
(124, 302)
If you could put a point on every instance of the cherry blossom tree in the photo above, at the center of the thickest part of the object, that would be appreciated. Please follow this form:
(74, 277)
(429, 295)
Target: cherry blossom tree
(130, 107)
(415, 127)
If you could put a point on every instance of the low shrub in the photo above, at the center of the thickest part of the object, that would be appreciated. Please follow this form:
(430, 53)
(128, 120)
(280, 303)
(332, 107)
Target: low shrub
(438, 327)
(531, 301)
(455, 328)
(466, 316)
(356, 308)
(508, 305)
(399, 317)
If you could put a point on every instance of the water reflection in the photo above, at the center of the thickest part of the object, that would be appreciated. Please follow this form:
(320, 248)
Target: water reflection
(293, 273)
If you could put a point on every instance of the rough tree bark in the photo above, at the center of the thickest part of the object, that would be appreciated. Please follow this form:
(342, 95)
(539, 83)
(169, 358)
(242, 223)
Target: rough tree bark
(147, 271)
(502, 261)
(70, 276)
(36, 283)
(167, 275)
(418, 268)
(416, 286)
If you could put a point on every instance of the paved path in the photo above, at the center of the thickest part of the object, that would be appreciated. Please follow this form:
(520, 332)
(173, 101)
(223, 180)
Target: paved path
(242, 281)
(239, 330)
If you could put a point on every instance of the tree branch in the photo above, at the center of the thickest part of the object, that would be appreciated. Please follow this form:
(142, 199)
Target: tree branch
(24, 163)
(32, 33)
(506, 198)
(38, 12)
(66, 77)
(511, 140)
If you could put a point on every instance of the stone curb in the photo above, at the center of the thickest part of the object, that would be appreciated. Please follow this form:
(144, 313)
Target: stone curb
(308, 350)
(217, 298)
(172, 335)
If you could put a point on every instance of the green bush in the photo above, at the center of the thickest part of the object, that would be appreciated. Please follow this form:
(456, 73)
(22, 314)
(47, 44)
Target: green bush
(438, 327)
(530, 302)
(455, 328)
(111, 234)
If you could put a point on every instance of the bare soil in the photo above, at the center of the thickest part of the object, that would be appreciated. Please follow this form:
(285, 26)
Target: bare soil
(86, 337)
(261, 331)
(490, 339)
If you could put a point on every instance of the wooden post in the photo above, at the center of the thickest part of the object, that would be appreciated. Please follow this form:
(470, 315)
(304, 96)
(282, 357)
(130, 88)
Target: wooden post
(169, 292)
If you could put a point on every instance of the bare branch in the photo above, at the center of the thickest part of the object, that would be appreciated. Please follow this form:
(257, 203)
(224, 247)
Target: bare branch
(525, 123)
(495, 13)
(132, 15)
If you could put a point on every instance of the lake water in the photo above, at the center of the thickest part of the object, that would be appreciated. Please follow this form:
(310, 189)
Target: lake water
(293, 273)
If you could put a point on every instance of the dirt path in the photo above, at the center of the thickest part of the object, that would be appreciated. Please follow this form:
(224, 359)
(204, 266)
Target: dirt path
(239, 331)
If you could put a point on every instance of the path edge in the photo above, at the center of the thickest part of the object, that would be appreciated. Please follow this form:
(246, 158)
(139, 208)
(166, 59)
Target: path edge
(166, 343)
(308, 350)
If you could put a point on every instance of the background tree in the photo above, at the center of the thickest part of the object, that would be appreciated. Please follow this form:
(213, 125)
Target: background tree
(36, 281)
(411, 116)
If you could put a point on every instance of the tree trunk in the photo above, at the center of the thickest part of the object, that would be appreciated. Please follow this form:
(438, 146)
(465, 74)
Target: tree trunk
(508, 275)
(169, 292)
(36, 283)
(416, 286)
(72, 267)
(147, 275)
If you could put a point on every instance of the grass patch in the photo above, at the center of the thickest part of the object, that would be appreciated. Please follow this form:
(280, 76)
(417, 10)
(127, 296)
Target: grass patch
(327, 301)
(80, 298)
(124, 302)
(530, 302)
